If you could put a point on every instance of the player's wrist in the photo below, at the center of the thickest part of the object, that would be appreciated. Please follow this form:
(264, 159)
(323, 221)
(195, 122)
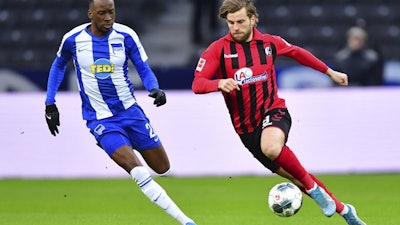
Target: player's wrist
(51, 108)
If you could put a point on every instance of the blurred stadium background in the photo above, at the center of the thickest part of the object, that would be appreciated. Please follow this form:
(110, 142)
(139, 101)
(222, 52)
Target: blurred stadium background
(32, 31)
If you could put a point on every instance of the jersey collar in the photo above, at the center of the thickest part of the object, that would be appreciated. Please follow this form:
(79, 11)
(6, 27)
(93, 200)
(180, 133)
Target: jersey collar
(257, 35)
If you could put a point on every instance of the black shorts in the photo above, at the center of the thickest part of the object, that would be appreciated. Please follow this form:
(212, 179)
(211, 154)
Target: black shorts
(277, 118)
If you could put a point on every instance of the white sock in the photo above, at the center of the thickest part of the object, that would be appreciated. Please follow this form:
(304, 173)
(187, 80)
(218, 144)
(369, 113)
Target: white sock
(157, 194)
(313, 188)
(345, 210)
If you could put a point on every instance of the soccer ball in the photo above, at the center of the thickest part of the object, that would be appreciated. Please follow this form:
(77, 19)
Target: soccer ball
(285, 199)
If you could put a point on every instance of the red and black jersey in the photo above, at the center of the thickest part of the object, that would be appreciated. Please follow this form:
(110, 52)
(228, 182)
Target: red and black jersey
(252, 65)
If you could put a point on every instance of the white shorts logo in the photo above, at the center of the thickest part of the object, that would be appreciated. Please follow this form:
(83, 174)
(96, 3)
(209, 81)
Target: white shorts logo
(266, 122)
(99, 129)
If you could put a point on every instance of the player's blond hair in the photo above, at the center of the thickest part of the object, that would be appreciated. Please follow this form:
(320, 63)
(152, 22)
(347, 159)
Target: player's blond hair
(232, 6)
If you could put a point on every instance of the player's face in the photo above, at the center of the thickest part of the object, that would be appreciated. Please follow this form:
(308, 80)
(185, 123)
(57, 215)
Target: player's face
(102, 15)
(240, 25)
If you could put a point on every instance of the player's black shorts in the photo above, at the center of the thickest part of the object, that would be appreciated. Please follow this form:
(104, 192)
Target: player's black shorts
(276, 117)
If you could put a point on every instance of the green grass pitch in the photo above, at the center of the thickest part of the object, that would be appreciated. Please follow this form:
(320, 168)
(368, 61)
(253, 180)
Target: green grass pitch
(238, 200)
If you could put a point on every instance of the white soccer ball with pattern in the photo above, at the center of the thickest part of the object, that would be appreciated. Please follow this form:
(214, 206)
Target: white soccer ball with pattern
(285, 199)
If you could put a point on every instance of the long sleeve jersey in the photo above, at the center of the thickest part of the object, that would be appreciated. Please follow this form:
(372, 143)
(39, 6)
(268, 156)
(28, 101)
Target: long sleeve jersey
(101, 65)
(251, 64)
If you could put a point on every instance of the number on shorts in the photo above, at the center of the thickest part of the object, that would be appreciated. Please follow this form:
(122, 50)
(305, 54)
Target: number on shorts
(152, 133)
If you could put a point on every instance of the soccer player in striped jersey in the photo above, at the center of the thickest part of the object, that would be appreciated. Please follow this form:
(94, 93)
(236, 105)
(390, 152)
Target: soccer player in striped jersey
(243, 62)
(100, 51)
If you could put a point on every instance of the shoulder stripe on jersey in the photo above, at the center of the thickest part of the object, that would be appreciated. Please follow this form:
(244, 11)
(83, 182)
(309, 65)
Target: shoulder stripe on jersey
(261, 52)
(247, 53)
(234, 60)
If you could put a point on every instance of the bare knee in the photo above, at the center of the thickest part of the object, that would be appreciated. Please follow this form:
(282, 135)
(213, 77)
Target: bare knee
(272, 141)
(271, 149)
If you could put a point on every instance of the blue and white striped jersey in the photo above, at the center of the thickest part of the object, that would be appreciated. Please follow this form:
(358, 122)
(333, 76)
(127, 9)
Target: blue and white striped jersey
(101, 65)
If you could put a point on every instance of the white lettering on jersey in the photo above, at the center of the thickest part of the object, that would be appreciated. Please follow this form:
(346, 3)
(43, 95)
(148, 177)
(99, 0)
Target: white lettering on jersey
(228, 56)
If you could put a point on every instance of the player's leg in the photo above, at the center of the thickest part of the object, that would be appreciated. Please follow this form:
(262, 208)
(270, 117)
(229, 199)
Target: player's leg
(339, 205)
(115, 145)
(278, 131)
(144, 139)
(157, 159)
(273, 138)
(158, 195)
(286, 159)
(281, 172)
(346, 210)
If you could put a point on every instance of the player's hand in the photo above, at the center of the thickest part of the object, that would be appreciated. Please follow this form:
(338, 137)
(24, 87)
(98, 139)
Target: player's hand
(338, 77)
(52, 118)
(159, 97)
(228, 85)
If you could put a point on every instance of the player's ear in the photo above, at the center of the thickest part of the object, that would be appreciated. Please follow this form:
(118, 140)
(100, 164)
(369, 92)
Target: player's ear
(253, 20)
(90, 14)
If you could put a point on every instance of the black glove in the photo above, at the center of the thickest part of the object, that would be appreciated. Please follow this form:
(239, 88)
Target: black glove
(159, 96)
(52, 118)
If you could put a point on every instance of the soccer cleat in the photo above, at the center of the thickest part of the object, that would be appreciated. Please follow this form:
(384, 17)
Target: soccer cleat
(351, 216)
(324, 201)
(191, 223)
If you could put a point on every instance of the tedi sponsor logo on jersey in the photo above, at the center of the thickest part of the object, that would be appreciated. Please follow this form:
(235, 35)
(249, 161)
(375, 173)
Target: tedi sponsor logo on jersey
(102, 68)
(245, 75)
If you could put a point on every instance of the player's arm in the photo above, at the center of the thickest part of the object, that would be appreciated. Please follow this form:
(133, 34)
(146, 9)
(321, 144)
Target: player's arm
(57, 69)
(139, 58)
(205, 71)
(56, 75)
(338, 77)
(203, 81)
(150, 83)
(147, 75)
(306, 58)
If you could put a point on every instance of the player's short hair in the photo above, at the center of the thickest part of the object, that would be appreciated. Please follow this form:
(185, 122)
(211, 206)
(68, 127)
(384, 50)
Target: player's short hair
(231, 6)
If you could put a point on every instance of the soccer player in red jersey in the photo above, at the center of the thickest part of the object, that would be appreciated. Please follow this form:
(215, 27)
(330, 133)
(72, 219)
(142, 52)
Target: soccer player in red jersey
(243, 62)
